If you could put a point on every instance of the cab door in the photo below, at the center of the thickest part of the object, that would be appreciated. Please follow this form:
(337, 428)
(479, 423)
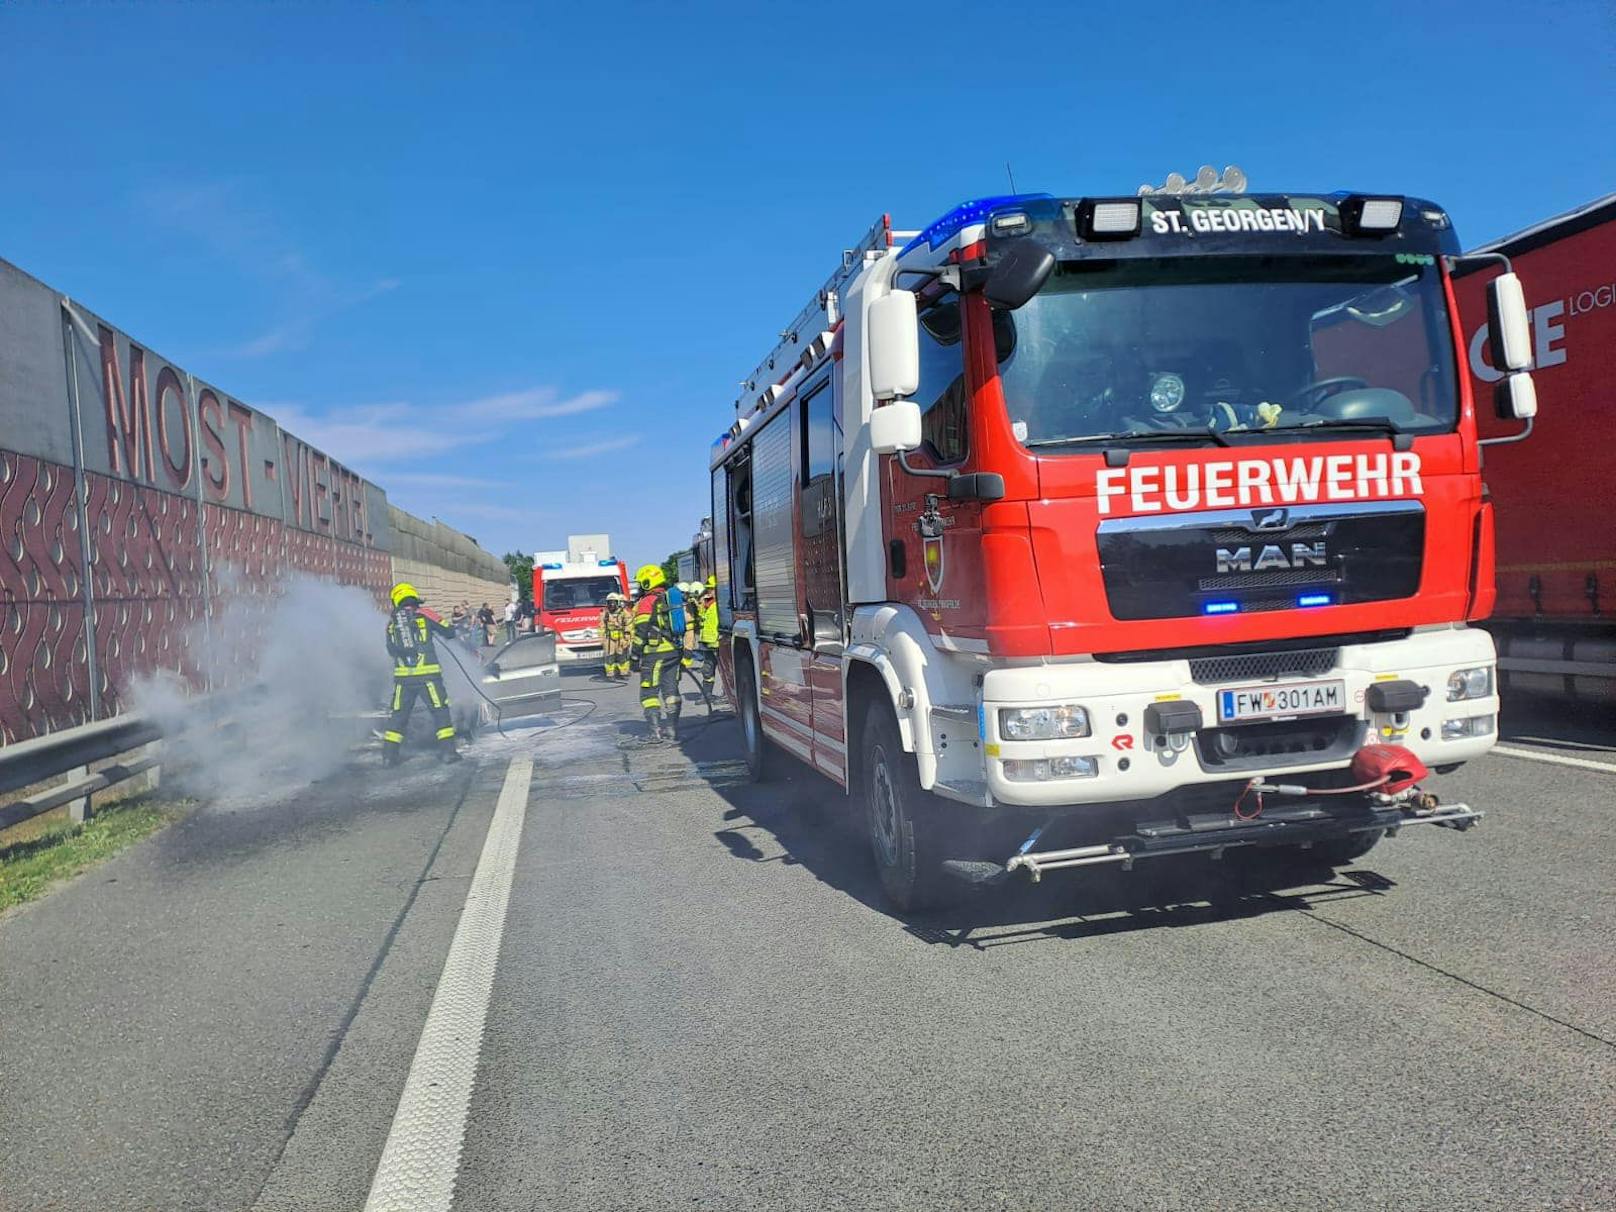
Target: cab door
(824, 605)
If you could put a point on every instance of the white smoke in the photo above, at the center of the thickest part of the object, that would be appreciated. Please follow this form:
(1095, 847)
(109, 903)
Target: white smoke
(297, 679)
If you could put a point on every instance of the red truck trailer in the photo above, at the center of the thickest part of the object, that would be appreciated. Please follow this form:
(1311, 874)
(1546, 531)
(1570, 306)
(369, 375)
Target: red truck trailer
(1555, 619)
(1072, 531)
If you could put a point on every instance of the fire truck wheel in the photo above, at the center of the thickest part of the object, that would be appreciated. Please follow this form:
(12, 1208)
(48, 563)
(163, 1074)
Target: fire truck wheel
(906, 853)
(757, 755)
(1343, 850)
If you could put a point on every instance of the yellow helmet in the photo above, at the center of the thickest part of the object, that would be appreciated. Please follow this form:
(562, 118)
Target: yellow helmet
(712, 581)
(651, 576)
(403, 591)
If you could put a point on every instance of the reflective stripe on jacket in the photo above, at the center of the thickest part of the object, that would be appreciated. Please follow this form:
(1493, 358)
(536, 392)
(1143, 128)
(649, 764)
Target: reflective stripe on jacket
(652, 627)
(410, 644)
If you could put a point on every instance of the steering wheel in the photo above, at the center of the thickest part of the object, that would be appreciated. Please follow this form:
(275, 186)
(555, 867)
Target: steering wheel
(1315, 393)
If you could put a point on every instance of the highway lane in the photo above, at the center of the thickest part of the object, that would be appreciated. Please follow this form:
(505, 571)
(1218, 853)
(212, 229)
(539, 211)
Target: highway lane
(700, 1001)
(712, 1009)
(165, 1019)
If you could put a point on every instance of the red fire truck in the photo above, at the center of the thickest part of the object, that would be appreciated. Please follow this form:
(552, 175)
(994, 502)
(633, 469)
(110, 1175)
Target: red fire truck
(569, 595)
(1076, 531)
(1556, 529)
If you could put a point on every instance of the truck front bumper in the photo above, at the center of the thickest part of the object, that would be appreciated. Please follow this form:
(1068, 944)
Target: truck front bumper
(1124, 760)
(584, 652)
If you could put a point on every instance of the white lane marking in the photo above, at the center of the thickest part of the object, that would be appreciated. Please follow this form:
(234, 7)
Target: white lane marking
(1532, 755)
(422, 1156)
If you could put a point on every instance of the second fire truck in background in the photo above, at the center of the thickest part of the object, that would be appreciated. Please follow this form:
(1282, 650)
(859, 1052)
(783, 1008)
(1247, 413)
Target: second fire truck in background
(569, 595)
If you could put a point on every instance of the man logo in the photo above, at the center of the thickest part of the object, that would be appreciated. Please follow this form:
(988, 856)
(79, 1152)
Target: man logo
(1270, 519)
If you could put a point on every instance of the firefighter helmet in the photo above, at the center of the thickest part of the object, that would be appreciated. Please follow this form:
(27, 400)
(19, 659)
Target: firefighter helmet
(614, 596)
(712, 581)
(403, 592)
(651, 576)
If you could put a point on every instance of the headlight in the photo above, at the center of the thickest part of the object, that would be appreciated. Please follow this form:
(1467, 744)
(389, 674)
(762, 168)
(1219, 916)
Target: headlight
(1043, 723)
(1166, 392)
(1475, 725)
(1041, 770)
(1474, 683)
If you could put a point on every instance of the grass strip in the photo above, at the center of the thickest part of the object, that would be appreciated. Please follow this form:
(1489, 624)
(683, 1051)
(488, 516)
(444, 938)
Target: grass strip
(58, 849)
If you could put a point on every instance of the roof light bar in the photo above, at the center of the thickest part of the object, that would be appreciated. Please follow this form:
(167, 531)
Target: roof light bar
(1220, 607)
(962, 216)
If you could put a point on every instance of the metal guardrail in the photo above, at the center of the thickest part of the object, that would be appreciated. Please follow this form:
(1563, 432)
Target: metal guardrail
(34, 761)
(73, 749)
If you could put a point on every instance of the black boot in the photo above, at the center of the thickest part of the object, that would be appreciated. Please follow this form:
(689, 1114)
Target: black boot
(392, 754)
(448, 755)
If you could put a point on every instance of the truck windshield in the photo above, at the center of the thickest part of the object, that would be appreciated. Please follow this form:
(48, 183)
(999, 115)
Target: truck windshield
(1116, 349)
(575, 592)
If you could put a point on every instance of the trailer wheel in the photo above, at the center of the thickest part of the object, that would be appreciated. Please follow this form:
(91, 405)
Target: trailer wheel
(906, 850)
(757, 756)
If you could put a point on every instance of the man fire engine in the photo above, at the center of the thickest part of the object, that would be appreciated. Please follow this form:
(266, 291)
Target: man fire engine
(1075, 531)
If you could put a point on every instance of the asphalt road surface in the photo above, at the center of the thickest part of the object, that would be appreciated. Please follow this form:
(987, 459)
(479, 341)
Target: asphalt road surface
(563, 975)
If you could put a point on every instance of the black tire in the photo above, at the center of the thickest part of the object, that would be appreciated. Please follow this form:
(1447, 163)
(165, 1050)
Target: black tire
(903, 821)
(1342, 850)
(746, 696)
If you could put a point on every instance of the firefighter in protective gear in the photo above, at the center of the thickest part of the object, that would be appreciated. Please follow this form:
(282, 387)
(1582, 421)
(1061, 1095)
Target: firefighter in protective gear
(656, 641)
(707, 637)
(416, 674)
(614, 624)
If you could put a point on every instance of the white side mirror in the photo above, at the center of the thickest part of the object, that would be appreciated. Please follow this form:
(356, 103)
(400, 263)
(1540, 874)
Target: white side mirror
(1510, 325)
(892, 337)
(1515, 397)
(895, 427)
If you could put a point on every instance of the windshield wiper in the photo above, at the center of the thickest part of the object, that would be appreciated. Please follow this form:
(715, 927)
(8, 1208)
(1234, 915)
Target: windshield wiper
(1146, 435)
(1402, 439)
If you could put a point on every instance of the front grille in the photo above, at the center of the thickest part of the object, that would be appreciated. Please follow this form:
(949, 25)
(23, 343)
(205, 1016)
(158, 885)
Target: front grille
(1162, 568)
(1260, 666)
(1267, 580)
(1302, 530)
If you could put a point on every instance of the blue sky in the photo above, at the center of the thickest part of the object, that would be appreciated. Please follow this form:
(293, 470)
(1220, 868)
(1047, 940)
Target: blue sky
(511, 261)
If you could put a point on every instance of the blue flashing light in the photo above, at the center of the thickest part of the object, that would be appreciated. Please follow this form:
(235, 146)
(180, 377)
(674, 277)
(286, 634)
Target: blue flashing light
(608, 563)
(966, 213)
(549, 565)
(1313, 599)
(1220, 607)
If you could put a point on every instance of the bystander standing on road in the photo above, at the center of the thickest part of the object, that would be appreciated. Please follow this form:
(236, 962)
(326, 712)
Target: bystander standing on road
(510, 621)
(485, 622)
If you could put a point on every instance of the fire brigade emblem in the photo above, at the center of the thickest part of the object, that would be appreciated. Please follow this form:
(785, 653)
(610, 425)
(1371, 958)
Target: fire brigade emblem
(934, 562)
(931, 534)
